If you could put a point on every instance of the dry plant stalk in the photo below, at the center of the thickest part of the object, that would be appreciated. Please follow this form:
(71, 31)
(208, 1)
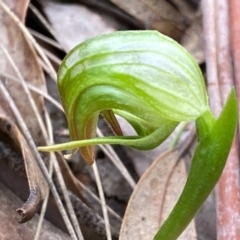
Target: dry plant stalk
(220, 80)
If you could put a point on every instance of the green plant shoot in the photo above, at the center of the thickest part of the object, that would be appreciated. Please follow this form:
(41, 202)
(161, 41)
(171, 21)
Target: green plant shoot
(154, 83)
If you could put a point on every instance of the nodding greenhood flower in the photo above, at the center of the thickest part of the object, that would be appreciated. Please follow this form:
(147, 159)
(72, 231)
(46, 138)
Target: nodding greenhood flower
(144, 76)
(154, 83)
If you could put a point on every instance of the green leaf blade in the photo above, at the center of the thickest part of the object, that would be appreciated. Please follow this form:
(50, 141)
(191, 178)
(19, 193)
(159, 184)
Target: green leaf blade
(207, 165)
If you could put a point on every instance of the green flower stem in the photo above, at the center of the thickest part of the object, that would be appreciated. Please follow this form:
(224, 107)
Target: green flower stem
(173, 144)
(207, 165)
(142, 143)
(205, 124)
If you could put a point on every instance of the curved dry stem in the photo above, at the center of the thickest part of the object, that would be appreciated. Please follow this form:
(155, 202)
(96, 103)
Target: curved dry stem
(45, 202)
(35, 89)
(209, 29)
(52, 57)
(30, 207)
(98, 200)
(45, 39)
(44, 22)
(108, 150)
(228, 189)
(103, 202)
(26, 90)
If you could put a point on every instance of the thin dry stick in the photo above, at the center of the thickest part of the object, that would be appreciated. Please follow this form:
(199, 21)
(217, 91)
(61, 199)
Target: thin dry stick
(45, 39)
(26, 90)
(34, 89)
(45, 68)
(209, 29)
(42, 127)
(55, 163)
(52, 57)
(30, 39)
(234, 7)
(61, 181)
(103, 202)
(44, 22)
(37, 156)
(228, 188)
(33, 105)
(45, 202)
(67, 199)
(116, 161)
(98, 200)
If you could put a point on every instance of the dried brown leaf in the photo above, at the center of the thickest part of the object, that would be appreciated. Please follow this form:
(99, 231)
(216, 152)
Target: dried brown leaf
(74, 23)
(10, 229)
(186, 9)
(25, 59)
(159, 15)
(154, 197)
(193, 39)
(36, 182)
(19, 7)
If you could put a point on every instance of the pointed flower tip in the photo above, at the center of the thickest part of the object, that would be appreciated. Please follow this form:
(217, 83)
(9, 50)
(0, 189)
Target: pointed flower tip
(112, 121)
(88, 154)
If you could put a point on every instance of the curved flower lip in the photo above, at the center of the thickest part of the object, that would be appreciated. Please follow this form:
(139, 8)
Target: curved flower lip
(140, 72)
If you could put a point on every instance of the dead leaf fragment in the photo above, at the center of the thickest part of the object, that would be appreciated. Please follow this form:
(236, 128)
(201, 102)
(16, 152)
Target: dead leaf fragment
(153, 199)
(19, 7)
(24, 57)
(74, 23)
(193, 39)
(159, 15)
(36, 181)
(11, 229)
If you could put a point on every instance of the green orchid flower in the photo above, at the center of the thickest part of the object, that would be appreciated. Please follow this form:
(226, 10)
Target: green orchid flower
(154, 83)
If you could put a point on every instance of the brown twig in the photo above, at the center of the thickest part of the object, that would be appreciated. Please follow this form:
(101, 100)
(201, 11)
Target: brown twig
(220, 82)
(234, 18)
(228, 198)
(209, 29)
